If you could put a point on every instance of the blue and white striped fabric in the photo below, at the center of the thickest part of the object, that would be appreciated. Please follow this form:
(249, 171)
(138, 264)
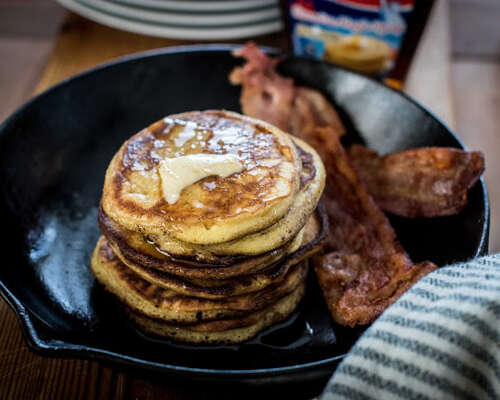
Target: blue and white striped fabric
(440, 340)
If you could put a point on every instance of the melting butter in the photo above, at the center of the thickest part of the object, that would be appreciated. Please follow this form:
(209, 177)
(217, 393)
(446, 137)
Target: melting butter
(181, 172)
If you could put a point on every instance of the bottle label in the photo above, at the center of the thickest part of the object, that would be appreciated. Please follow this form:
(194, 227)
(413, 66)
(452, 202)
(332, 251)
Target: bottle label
(364, 35)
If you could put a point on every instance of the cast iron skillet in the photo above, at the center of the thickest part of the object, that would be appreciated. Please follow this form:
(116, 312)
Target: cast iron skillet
(53, 155)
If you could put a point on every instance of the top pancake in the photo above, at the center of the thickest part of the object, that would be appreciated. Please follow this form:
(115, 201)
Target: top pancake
(268, 240)
(214, 209)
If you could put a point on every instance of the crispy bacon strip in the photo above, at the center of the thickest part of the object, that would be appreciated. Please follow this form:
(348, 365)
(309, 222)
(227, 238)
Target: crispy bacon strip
(423, 182)
(365, 268)
(269, 96)
(312, 110)
(265, 93)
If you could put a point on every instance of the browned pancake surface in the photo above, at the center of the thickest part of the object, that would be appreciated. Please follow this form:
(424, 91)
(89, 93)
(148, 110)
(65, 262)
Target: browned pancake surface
(213, 287)
(168, 305)
(214, 209)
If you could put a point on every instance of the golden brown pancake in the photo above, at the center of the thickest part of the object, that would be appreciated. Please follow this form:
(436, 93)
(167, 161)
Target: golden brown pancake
(279, 234)
(213, 287)
(167, 305)
(213, 210)
(207, 219)
(275, 235)
(132, 247)
(224, 331)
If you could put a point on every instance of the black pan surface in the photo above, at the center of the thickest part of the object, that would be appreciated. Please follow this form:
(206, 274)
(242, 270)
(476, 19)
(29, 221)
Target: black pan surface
(53, 155)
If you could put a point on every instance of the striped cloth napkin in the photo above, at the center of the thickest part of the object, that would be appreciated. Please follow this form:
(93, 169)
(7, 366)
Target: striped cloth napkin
(440, 340)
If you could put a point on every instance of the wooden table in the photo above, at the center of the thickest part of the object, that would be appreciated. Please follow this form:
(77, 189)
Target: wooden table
(82, 44)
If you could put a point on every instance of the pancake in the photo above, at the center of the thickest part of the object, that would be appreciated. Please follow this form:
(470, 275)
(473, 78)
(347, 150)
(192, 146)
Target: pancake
(213, 210)
(361, 53)
(228, 331)
(208, 218)
(131, 247)
(213, 287)
(169, 306)
(277, 235)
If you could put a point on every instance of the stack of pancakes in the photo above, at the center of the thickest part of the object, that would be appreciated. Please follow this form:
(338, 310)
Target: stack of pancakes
(228, 258)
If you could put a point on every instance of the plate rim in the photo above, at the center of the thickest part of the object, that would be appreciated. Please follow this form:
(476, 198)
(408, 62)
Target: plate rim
(180, 19)
(163, 30)
(62, 348)
(203, 6)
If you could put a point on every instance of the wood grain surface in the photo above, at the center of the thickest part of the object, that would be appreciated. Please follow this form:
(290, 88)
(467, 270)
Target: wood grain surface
(80, 45)
(83, 44)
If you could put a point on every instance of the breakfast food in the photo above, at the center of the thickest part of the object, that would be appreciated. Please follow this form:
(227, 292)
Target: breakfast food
(269, 96)
(207, 220)
(146, 301)
(359, 52)
(363, 268)
(424, 182)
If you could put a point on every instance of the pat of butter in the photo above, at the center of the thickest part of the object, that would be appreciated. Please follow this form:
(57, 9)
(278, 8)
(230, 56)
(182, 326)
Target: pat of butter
(181, 172)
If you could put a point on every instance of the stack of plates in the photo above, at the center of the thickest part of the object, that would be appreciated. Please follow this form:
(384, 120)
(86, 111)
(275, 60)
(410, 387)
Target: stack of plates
(184, 19)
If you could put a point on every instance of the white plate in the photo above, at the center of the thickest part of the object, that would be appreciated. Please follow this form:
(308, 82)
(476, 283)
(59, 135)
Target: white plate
(174, 32)
(206, 6)
(183, 19)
